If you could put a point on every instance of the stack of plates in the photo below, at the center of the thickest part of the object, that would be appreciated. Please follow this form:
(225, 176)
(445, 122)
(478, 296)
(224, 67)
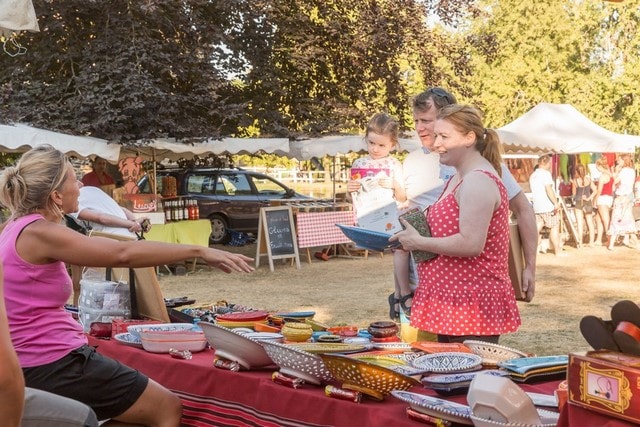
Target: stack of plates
(243, 319)
(529, 369)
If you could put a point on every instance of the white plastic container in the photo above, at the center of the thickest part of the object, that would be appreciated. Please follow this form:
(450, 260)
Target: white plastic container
(104, 295)
(102, 301)
(86, 316)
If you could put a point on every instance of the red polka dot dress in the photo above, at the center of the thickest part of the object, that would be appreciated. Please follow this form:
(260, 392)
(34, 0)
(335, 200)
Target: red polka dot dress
(467, 295)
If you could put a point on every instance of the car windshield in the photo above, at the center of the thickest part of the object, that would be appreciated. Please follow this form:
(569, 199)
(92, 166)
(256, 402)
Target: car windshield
(268, 186)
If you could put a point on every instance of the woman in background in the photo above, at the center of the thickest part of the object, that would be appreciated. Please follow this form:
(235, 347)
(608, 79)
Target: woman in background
(622, 221)
(603, 199)
(583, 190)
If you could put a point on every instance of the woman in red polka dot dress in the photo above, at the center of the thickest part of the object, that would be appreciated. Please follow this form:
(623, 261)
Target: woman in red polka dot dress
(465, 292)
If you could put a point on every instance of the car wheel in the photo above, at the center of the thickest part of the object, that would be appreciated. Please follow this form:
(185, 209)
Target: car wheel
(219, 230)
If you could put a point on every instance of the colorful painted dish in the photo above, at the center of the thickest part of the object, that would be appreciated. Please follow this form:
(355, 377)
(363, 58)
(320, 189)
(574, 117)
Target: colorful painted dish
(127, 339)
(547, 419)
(439, 408)
(230, 345)
(525, 364)
(244, 316)
(397, 346)
(368, 239)
(458, 378)
(492, 354)
(384, 361)
(136, 330)
(264, 336)
(546, 400)
(234, 324)
(321, 347)
(297, 314)
(448, 362)
(440, 347)
(164, 341)
(373, 380)
(298, 363)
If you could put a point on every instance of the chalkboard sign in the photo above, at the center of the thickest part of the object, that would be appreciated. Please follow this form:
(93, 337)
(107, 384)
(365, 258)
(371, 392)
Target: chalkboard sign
(278, 227)
(277, 235)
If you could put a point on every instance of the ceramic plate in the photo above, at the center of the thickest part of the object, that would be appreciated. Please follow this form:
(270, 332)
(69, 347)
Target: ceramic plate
(399, 346)
(493, 353)
(440, 408)
(235, 346)
(385, 361)
(368, 239)
(547, 400)
(298, 363)
(297, 314)
(264, 336)
(525, 364)
(446, 379)
(447, 362)
(127, 339)
(244, 316)
(319, 347)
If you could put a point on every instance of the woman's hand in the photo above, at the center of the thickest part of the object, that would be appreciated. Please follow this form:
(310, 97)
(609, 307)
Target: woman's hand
(409, 238)
(227, 261)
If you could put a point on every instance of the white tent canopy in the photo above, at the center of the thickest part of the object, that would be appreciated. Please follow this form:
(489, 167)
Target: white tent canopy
(338, 144)
(161, 149)
(20, 138)
(560, 128)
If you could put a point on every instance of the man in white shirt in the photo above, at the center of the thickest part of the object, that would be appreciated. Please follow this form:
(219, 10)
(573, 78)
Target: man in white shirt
(545, 202)
(102, 213)
(424, 182)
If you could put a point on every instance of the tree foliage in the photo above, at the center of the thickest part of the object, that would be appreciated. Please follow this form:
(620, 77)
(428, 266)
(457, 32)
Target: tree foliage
(127, 70)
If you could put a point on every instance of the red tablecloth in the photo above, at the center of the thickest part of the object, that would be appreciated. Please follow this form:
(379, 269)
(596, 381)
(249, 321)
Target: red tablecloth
(319, 228)
(213, 396)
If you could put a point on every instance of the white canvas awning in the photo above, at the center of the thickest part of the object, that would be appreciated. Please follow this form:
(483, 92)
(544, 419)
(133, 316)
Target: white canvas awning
(169, 149)
(20, 138)
(339, 144)
(560, 128)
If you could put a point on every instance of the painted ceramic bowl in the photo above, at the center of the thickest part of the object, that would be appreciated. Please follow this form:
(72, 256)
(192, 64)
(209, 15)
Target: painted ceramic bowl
(296, 332)
(383, 329)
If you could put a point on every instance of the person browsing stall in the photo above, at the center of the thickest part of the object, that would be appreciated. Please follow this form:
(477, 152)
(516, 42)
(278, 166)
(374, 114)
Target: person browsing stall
(465, 292)
(583, 191)
(101, 213)
(381, 136)
(52, 349)
(27, 407)
(546, 203)
(424, 178)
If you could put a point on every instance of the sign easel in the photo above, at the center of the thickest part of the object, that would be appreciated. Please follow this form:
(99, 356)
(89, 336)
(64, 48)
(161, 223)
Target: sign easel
(277, 235)
(568, 222)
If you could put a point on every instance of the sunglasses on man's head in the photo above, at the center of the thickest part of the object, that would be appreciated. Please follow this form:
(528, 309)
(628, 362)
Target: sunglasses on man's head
(439, 92)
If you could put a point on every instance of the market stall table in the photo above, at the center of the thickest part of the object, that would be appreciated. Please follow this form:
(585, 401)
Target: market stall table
(213, 396)
(319, 229)
(189, 232)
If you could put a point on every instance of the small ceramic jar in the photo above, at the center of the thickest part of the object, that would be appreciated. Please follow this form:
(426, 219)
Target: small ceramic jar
(297, 332)
(383, 329)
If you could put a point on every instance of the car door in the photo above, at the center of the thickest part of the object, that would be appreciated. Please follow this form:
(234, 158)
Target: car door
(240, 200)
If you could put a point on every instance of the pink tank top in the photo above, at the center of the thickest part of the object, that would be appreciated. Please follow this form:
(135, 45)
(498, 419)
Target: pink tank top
(41, 330)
